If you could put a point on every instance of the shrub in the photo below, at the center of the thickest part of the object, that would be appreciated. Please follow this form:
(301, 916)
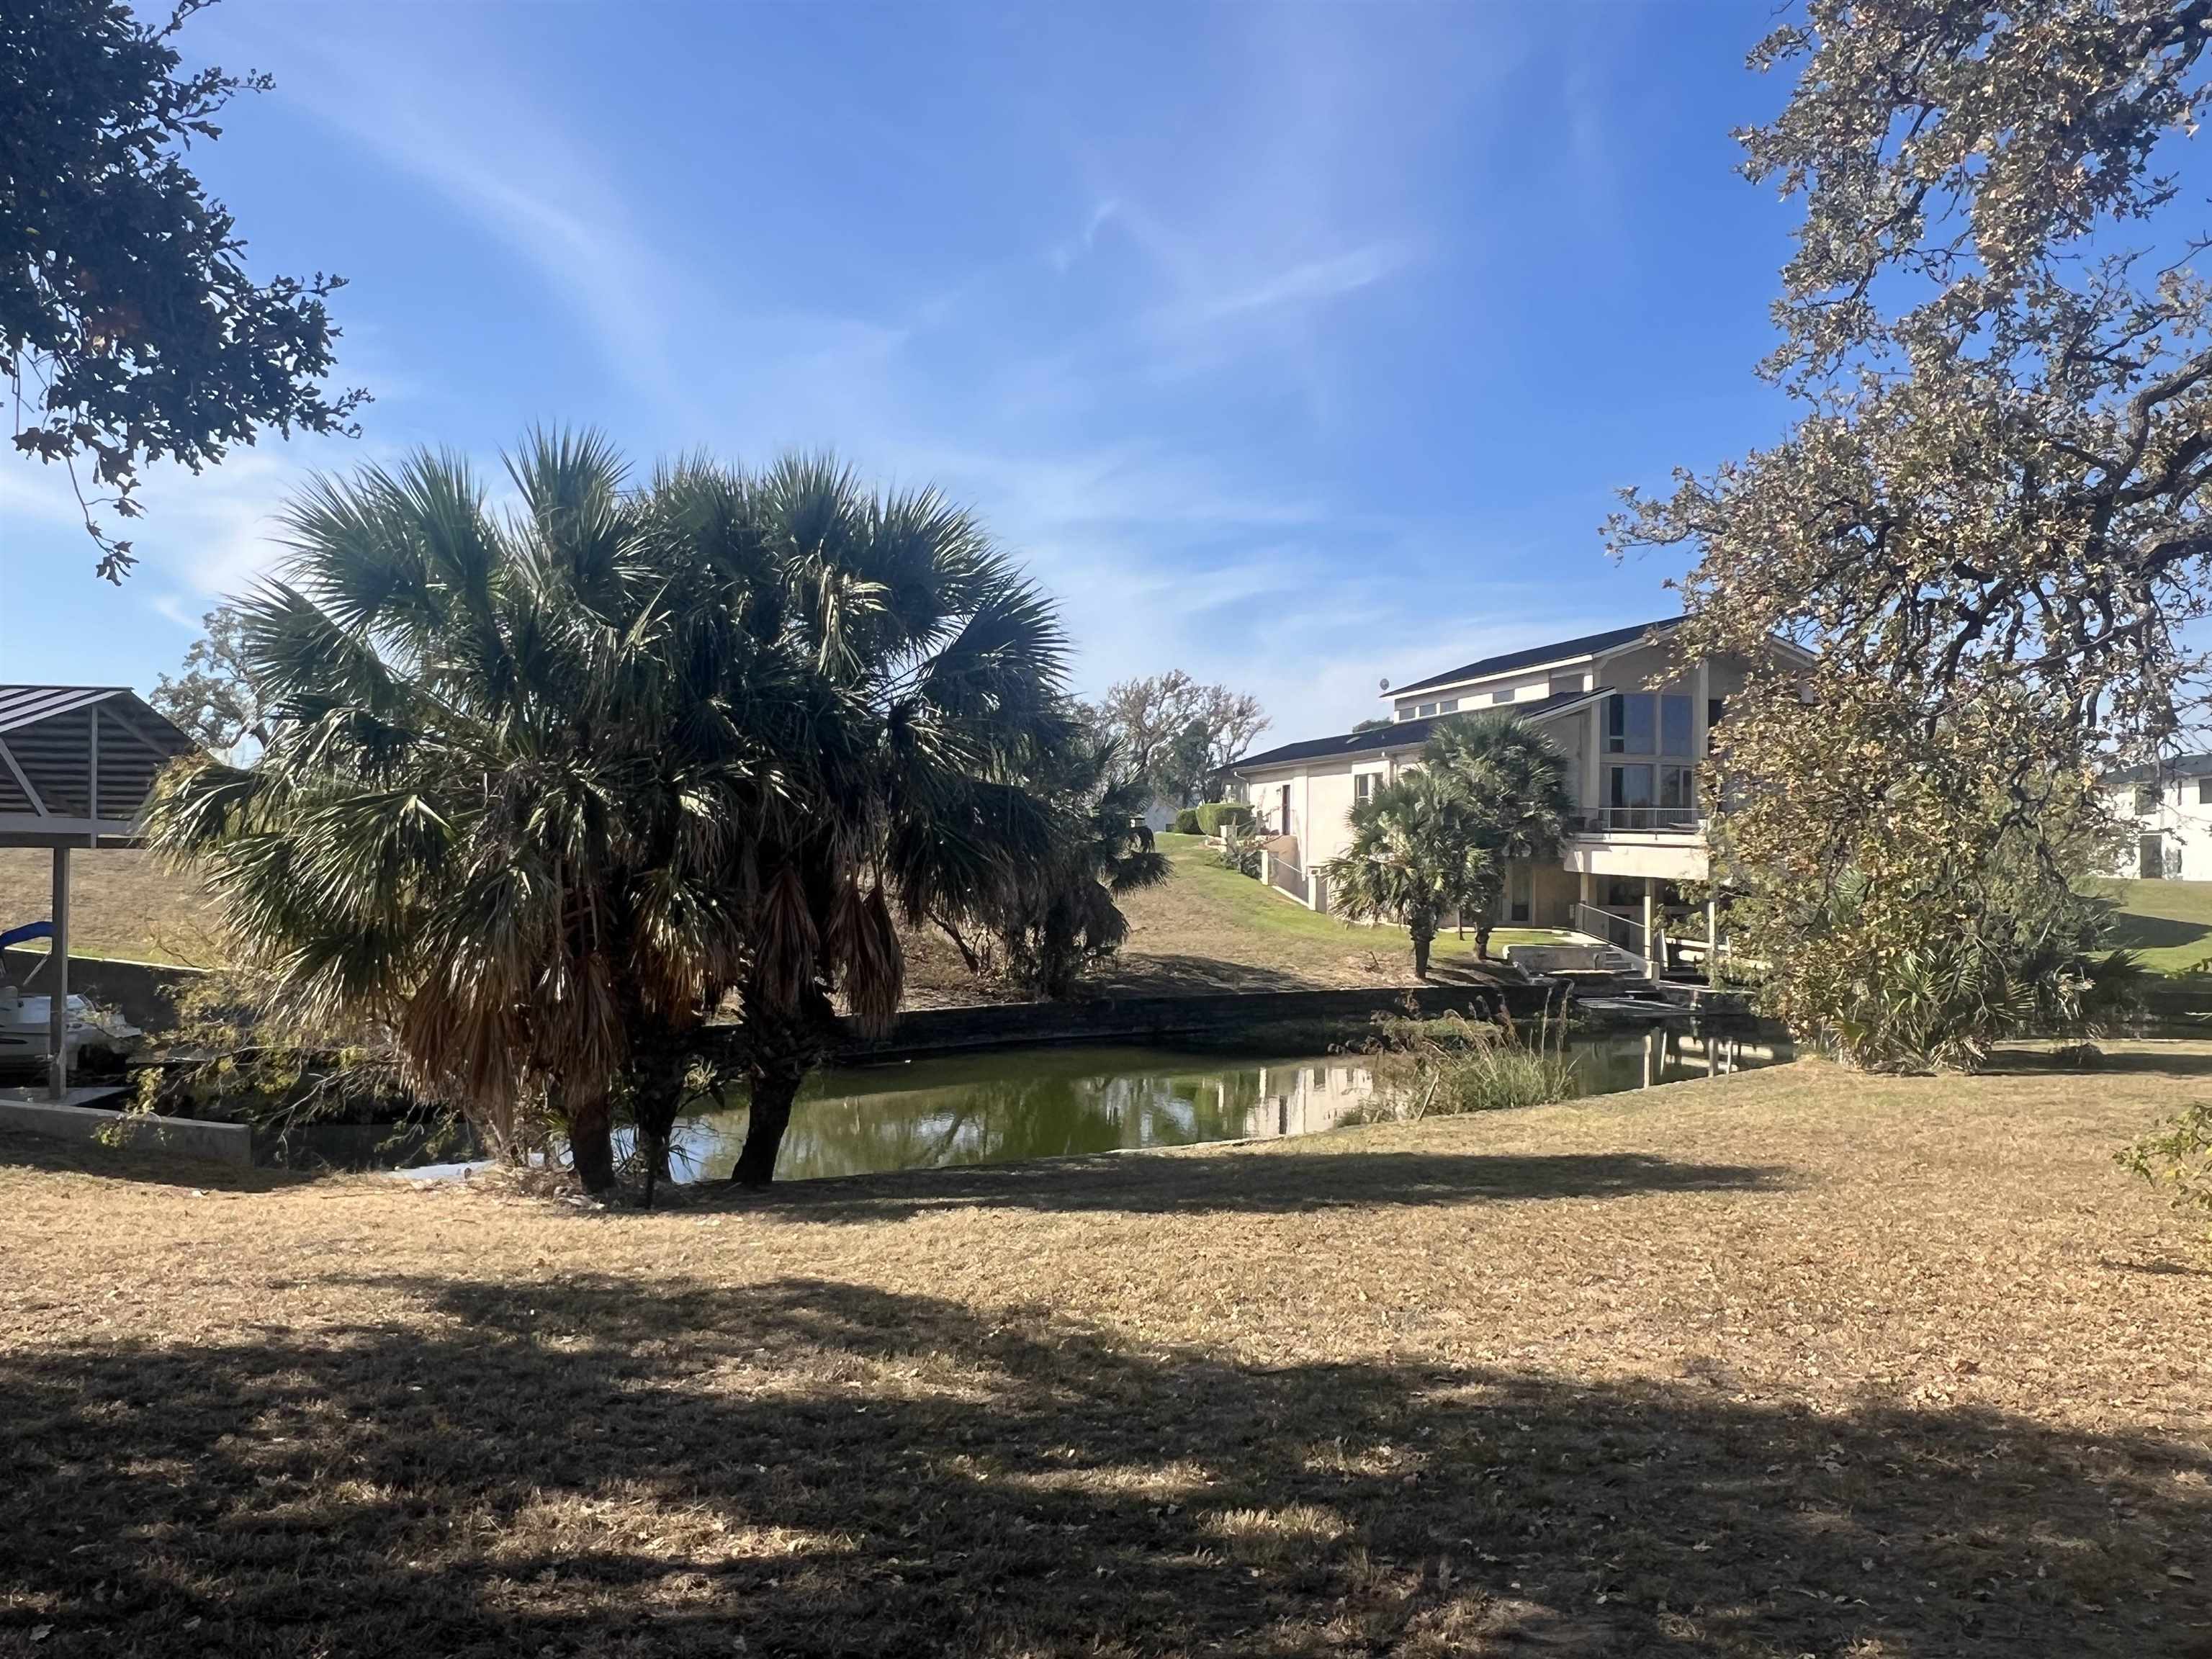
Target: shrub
(1186, 822)
(1239, 851)
(1215, 814)
(2176, 1153)
(1451, 1064)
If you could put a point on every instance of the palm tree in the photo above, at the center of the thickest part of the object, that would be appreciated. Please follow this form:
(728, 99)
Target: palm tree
(541, 790)
(1514, 802)
(910, 680)
(1064, 920)
(1409, 860)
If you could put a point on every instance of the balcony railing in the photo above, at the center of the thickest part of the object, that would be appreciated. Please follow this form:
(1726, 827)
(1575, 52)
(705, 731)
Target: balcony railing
(1641, 820)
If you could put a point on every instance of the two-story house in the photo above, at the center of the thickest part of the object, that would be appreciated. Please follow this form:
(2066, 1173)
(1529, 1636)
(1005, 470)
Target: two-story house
(2169, 805)
(1632, 721)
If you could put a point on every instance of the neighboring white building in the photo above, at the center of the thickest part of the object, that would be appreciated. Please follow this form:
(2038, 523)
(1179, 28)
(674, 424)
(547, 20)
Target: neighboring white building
(1634, 725)
(2171, 807)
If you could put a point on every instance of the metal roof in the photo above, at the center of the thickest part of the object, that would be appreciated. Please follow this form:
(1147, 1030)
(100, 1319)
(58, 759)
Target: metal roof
(22, 705)
(78, 762)
(1412, 735)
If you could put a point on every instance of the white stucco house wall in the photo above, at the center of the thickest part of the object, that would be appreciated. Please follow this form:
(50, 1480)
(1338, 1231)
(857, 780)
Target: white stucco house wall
(2171, 807)
(1633, 720)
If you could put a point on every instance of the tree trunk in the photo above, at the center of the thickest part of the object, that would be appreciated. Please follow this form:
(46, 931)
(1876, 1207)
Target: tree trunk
(591, 1144)
(657, 1060)
(1482, 940)
(773, 1092)
(1421, 953)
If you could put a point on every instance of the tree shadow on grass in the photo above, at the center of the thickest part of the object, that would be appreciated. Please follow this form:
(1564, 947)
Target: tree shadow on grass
(583, 1467)
(1140, 974)
(1264, 1181)
(2131, 931)
(2133, 1062)
(142, 1162)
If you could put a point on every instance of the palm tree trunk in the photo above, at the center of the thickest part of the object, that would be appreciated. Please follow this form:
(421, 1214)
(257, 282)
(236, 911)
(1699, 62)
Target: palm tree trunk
(590, 1143)
(1482, 939)
(657, 1060)
(773, 1092)
(1421, 938)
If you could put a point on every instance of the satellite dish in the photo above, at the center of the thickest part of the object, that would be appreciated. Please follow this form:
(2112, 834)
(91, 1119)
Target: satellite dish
(1386, 685)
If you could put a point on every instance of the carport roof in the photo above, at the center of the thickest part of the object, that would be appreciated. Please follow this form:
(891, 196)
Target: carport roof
(77, 762)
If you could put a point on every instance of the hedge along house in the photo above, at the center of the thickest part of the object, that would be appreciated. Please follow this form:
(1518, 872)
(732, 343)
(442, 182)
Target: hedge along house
(77, 764)
(1634, 723)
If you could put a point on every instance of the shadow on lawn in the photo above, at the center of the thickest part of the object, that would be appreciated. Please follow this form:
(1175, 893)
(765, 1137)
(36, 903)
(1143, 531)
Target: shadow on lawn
(2131, 931)
(1263, 1182)
(585, 1467)
(140, 1162)
(1171, 975)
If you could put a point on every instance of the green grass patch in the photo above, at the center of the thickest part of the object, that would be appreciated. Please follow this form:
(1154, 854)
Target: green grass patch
(1251, 905)
(2167, 923)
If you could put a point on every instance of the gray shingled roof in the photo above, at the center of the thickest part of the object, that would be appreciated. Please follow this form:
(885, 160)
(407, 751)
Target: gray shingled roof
(1588, 645)
(1411, 734)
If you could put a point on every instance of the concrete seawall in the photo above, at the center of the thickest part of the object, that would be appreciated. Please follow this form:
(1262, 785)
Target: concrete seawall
(219, 1143)
(1221, 1017)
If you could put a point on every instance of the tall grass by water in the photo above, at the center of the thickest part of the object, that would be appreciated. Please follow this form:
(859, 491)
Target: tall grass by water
(1451, 1064)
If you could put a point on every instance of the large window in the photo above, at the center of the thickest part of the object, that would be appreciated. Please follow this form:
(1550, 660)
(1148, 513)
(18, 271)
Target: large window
(1639, 723)
(2147, 797)
(1504, 695)
(1363, 787)
(1628, 724)
(1648, 795)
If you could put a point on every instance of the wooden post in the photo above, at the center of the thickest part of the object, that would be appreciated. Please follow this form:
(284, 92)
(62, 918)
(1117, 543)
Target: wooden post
(1712, 939)
(57, 981)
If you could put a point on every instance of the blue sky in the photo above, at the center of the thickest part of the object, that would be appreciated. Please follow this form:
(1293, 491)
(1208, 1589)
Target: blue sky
(1293, 345)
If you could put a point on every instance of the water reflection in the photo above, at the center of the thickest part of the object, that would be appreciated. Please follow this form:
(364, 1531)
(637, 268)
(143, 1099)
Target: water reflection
(1050, 1103)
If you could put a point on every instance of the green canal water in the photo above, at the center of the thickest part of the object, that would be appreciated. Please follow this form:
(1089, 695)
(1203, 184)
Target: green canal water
(1053, 1103)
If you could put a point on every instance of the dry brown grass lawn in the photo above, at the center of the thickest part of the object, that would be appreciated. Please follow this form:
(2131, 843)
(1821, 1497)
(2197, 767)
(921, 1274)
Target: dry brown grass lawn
(122, 903)
(1796, 1362)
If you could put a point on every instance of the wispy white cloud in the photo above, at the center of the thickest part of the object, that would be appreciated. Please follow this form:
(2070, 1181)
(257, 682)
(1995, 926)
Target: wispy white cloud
(1233, 262)
(513, 167)
(1062, 255)
(1312, 281)
(174, 608)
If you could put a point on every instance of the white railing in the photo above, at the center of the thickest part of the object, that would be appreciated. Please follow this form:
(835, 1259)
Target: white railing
(1622, 934)
(1641, 820)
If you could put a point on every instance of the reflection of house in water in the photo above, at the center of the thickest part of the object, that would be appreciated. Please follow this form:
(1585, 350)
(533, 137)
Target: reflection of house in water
(1669, 1054)
(1309, 1096)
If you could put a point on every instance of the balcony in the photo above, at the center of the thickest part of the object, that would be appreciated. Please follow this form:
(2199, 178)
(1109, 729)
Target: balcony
(1639, 821)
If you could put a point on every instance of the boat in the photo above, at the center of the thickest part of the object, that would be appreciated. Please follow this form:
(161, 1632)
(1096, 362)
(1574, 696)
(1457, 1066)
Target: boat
(95, 1039)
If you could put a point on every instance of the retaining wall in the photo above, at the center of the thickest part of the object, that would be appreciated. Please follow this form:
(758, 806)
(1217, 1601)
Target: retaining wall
(219, 1143)
(1221, 1017)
